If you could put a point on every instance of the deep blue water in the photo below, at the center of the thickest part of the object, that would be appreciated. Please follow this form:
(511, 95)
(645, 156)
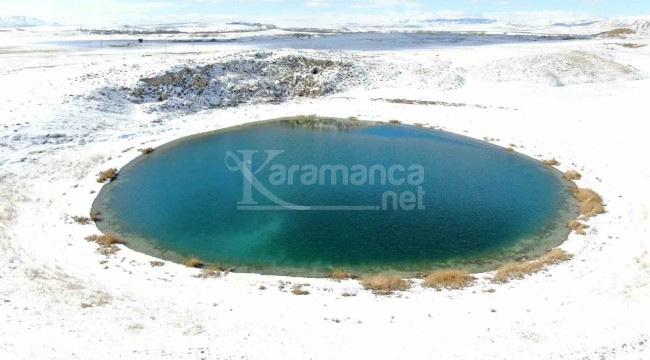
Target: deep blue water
(481, 205)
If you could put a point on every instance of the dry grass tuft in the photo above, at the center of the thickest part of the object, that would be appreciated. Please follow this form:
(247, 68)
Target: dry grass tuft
(510, 149)
(633, 46)
(341, 274)
(105, 239)
(82, 220)
(577, 226)
(156, 263)
(555, 256)
(108, 250)
(281, 285)
(450, 279)
(572, 175)
(107, 243)
(147, 150)
(385, 284)
(92, 238)
(591, 203)
(95, 216)
(551, 162)
(394, 122)
(193, 262)
(108, 239)
(107, 175)
(213, 271)
(298, 290)
(209, 274)
(517, 270)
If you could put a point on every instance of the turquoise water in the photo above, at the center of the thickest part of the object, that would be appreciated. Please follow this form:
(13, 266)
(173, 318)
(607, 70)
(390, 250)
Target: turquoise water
(465, 204)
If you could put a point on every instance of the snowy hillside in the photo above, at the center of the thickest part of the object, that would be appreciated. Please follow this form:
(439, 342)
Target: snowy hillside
(640, 24)
(20, 21)
(590, 26)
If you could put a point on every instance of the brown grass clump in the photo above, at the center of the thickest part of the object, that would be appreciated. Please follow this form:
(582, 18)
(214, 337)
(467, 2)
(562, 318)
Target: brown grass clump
(105, 239)
(591, 203)
(517, 270)
(510, 149)
(108, 239)
(95, 216)
(193, 262)
(298, 290)
(107, 175)
(341, 274)
(92, 238)
(156, 263)
(108, 250)
(147, 150)
(555, 256)
(209, 273)
(578, 227)
(385, 284)
(281, 285)
(394, 122)
(633, 46)
(107, 243)
(572, 175)
(450, 279)
(551, 162)
(82, 220)
(220, 268)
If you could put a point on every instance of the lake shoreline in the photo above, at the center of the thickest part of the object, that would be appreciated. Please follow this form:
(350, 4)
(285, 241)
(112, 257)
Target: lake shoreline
(552, 238)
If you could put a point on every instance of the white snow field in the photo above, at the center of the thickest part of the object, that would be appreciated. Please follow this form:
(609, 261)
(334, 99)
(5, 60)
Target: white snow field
(72, 104)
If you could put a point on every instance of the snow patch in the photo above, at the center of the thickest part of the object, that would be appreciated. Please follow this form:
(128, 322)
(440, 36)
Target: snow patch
(557, 69)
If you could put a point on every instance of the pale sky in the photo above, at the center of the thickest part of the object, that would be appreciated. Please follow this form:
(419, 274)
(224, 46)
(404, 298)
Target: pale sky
(310, 12)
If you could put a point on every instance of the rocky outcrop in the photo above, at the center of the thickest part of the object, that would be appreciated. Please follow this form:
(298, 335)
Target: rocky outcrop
(276, 76)
(262, 77)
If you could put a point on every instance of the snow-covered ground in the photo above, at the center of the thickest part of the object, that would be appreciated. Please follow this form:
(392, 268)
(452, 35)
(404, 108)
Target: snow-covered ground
(67, 112)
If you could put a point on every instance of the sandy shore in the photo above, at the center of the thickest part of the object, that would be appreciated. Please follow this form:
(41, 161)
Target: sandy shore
(59, 298)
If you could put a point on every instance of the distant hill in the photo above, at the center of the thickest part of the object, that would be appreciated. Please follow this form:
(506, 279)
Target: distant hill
(460, 21)
(20, 21)
(575, 24)
(640, 24)
(618, 27)
(623, 26)
(253, 25)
